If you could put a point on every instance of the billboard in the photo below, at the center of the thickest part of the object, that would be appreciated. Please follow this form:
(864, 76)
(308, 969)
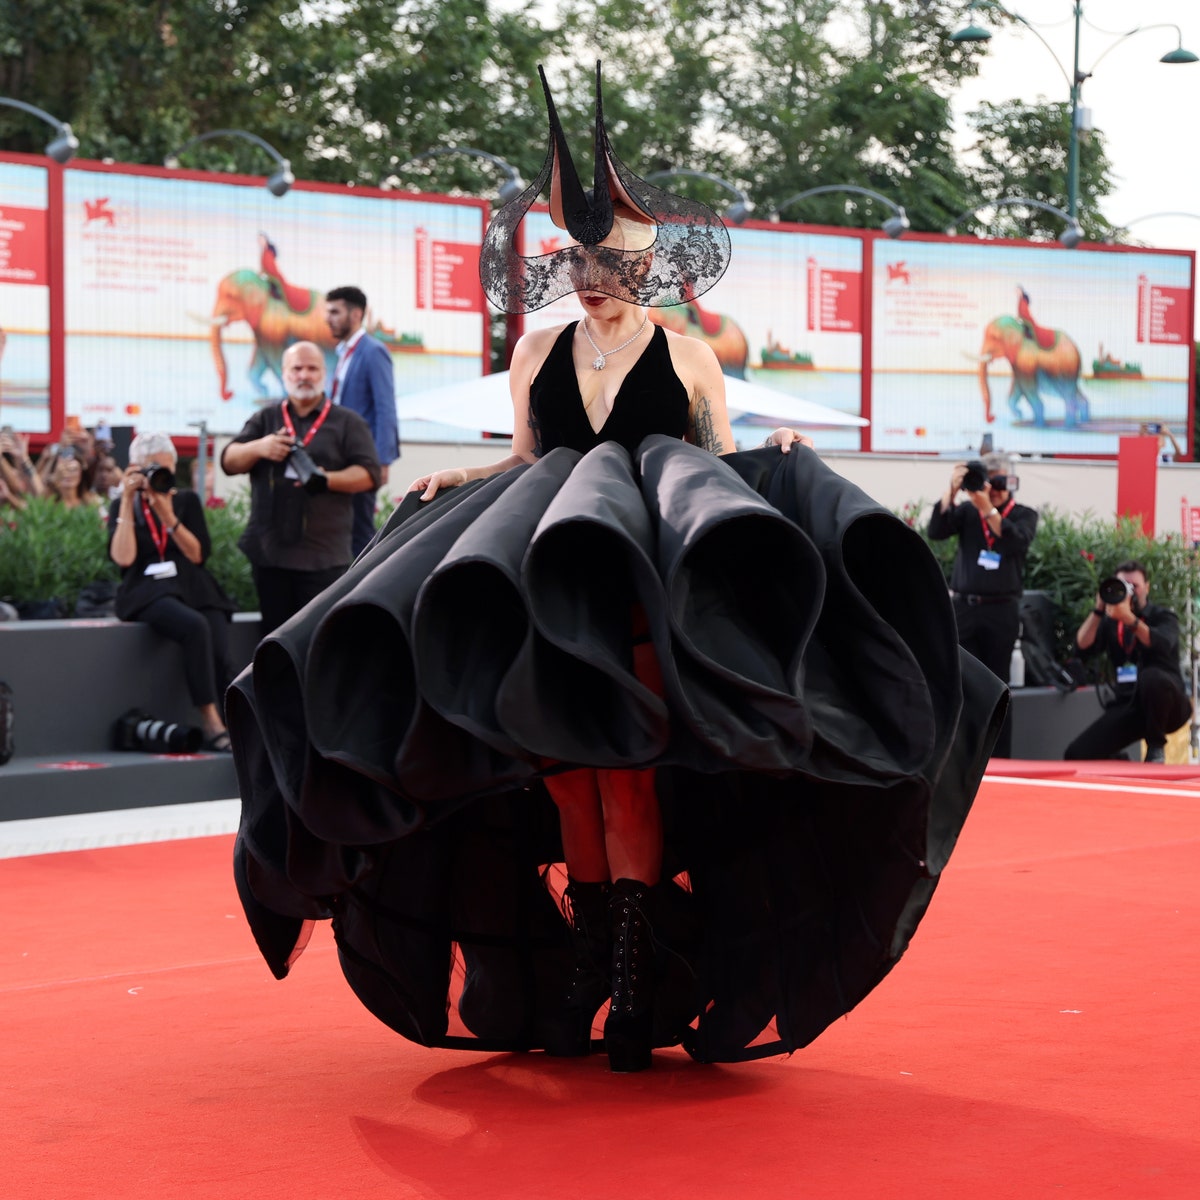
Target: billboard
(24, 298)
(182, 292)
(1051, 351)
(787, 316)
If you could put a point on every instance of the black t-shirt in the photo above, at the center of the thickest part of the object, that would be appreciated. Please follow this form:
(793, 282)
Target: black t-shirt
(1123, 646)
(1017, 528)
(288, 526)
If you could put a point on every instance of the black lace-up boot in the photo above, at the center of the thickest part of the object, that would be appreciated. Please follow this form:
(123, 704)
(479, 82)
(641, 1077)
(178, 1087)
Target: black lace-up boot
(569, 1033)
(628, 1031)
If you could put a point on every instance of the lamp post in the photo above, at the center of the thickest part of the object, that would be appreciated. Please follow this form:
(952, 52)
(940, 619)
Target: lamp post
(1070, 237)
(277, 184)
(894, 226)
(977, 34)
(510, 189)
(61, 148)
(737, 212)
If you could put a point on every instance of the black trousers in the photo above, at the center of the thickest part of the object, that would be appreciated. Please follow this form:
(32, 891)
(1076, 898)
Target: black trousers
(1158, 706)
(203, 635)
(282, 592)
(989, 631)
(363, 529)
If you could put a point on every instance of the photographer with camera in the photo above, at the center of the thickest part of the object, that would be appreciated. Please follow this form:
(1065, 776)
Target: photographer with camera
(307, 458)
(994, 534)
(157, 535)
(1142, 643)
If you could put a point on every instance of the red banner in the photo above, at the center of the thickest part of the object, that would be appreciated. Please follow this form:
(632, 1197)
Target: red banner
(23, 245)
(1162, 313)
(447, 275)
(834, 300)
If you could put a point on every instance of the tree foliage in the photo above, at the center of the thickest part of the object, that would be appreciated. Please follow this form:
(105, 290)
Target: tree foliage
(772, 96)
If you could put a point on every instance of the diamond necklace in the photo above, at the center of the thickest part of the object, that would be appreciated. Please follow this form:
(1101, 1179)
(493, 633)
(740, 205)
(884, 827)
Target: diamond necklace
(599, 361)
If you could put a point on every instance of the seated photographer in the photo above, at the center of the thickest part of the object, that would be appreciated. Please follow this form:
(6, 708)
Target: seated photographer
(1142, 643)
(307, 458)
(994, 534)
(157, 535)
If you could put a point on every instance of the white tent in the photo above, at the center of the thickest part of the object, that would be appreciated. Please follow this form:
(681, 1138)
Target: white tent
(484, 404)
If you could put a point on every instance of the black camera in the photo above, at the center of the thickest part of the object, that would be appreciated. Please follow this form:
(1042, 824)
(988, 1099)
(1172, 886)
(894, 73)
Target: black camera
(976, 478)
(312, 478)
(1114, 590)
(158, 478)
(137, 731)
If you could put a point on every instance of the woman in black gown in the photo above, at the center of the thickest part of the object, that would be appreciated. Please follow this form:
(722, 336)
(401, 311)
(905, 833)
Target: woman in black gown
(726, 691)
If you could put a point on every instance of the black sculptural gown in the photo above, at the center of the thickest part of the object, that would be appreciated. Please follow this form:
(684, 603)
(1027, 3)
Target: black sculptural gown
(818, 735)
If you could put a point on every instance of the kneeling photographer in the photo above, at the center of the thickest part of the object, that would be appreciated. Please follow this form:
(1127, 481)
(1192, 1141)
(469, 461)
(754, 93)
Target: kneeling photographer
(306, 457)
(1142, 642)
(157, 535)
(994, 534)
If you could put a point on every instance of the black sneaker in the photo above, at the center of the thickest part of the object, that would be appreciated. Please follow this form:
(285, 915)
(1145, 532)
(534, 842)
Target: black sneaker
(1155, 754)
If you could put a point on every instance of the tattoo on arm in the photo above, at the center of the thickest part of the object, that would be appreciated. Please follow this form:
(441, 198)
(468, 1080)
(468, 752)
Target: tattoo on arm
(702, 429)
(536, 428)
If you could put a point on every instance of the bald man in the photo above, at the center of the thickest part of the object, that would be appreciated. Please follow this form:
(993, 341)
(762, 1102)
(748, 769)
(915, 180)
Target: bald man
(307, 458)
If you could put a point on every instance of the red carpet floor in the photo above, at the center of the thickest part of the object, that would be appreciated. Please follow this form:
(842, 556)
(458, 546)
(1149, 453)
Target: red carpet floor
(1039, 1039)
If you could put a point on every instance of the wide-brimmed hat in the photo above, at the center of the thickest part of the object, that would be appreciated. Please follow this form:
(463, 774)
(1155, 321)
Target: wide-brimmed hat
(666, 249)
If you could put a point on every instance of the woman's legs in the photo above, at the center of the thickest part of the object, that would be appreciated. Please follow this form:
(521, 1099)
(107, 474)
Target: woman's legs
(174, 619)
(633, 835)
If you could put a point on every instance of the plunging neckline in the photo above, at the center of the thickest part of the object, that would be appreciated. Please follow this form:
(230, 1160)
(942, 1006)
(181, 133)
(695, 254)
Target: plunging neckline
(579, 391)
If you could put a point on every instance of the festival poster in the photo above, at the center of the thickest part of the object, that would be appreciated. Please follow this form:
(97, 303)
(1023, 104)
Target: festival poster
(24, 299)
(1049, 350)
(786, 317)
(182, 294)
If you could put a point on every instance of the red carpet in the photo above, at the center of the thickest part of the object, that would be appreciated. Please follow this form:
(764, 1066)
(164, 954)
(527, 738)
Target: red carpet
(1039, 1039)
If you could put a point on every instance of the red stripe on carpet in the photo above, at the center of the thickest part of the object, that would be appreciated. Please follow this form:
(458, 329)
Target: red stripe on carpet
(1040, 1038)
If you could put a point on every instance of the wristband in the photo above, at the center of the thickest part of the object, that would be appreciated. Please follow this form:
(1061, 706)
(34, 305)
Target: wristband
(175, 526)
(1097, 612)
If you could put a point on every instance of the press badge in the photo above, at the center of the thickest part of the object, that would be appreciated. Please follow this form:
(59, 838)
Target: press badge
(162, 570)
(989, 560)
(1127, 673)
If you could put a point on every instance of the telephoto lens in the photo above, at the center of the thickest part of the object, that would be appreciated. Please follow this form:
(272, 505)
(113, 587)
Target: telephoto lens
(1114, 590)
(137, 731)
(976, 478)
(159, 478)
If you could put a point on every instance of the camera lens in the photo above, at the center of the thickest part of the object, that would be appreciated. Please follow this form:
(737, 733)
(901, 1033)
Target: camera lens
(1113, 590)
(975, 480)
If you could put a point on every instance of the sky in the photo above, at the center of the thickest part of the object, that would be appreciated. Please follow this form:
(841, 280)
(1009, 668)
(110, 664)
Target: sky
(1146, 109)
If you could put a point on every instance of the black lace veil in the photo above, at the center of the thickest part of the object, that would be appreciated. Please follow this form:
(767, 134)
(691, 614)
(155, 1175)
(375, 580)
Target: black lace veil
(633, 241)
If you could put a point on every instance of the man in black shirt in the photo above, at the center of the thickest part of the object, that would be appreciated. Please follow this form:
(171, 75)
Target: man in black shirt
(994, 534)
(1142, 643)
(306, 458)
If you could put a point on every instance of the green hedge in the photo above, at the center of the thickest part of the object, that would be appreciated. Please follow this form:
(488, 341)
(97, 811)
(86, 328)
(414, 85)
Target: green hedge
(51, 552)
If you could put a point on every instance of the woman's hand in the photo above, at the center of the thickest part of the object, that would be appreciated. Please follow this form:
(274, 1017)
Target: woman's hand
(430, 485)
(783, 438)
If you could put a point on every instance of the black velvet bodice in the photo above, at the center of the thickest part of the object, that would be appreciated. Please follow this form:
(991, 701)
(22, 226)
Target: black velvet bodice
(652, 399)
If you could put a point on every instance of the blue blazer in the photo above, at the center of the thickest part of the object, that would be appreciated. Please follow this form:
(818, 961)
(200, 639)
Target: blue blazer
(370, 390)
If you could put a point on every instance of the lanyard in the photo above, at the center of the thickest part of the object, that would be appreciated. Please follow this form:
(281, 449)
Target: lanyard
(1121, 638)
(308, 437)
(158, 533)
(988, 535)
(343, 367)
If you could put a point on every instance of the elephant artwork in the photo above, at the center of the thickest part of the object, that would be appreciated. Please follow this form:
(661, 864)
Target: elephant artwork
(722, 333)
(1043, 361)
(251, 297)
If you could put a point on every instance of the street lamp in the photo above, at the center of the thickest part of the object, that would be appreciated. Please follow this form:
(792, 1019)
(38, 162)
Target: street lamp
(510, 189)
(737, 212)
(894, 226)
(978, 34)
(1070, 237)
(62, 148)
(277, 184)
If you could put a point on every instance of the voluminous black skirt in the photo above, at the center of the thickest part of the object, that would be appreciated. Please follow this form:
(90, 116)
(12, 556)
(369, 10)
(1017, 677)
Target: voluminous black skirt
(819, 740)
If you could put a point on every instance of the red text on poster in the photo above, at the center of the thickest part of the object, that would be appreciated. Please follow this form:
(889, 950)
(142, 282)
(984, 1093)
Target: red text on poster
(447, 275)
(1162, 313)
(23, 245)
(834, 299)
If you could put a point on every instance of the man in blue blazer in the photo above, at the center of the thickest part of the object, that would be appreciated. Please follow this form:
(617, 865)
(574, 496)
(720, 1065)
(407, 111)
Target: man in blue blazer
(364, 384)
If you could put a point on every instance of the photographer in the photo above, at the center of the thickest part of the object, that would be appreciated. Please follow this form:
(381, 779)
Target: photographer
(994, 534)
(307, 458)
(157, 535)
(1142, 643)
